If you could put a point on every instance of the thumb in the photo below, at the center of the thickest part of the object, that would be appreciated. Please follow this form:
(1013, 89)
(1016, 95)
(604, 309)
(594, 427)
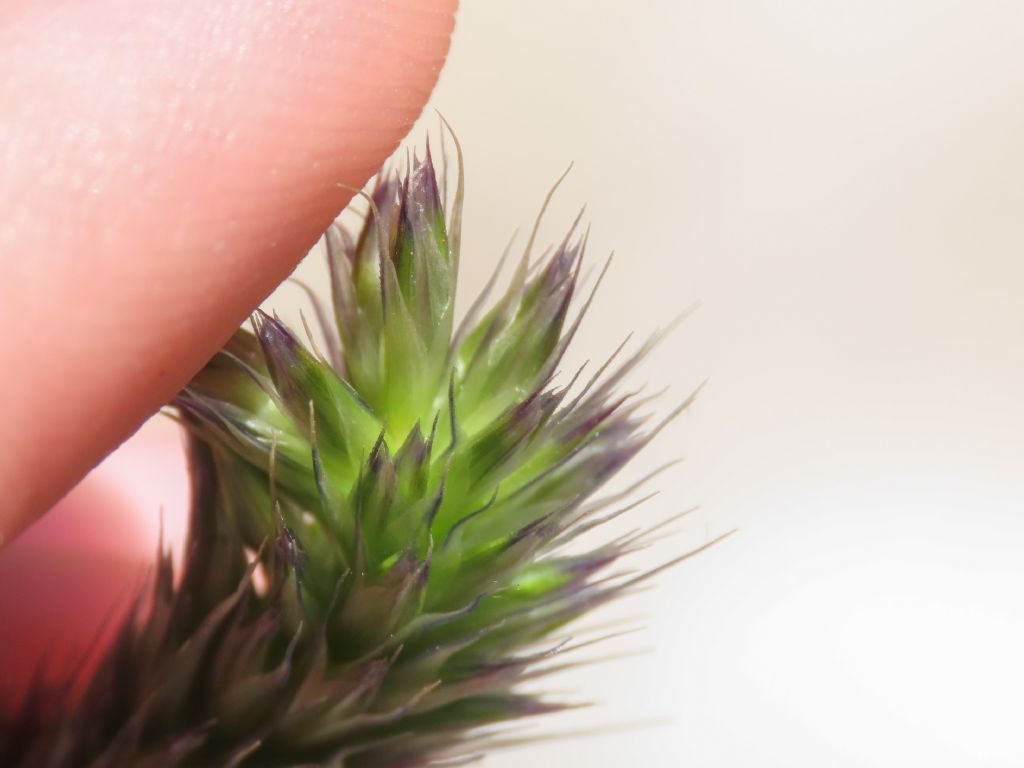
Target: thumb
(165, 165)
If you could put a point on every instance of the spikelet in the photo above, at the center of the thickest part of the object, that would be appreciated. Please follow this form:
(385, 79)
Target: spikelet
(377, 559)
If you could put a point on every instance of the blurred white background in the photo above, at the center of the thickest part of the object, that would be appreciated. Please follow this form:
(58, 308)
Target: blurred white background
(841, 185)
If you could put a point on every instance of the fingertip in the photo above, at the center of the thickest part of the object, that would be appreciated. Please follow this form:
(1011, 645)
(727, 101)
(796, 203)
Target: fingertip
(169, 166)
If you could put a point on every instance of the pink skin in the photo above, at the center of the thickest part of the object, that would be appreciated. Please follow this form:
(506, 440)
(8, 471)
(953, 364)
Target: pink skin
(164, 166)
(78, 568)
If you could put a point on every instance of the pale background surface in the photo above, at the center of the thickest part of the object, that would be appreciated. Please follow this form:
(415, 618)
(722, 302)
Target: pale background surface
(841, 185)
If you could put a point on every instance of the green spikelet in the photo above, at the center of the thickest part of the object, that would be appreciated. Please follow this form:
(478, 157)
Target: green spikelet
(377, 556)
